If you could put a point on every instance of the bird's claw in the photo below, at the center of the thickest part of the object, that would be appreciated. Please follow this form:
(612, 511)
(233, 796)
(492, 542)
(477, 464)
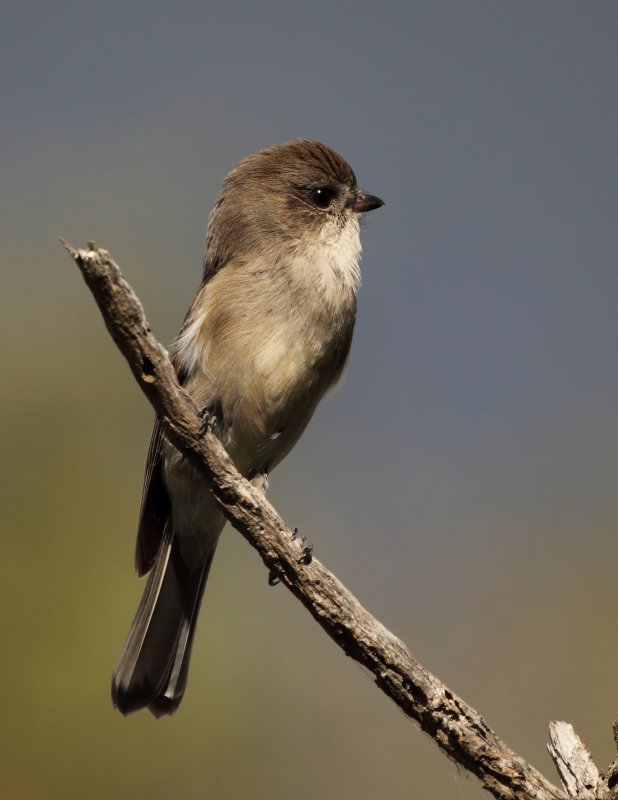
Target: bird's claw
(306, 556)
(209, 420)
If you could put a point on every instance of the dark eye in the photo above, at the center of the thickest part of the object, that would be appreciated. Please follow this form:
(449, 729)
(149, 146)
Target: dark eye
(322, 196)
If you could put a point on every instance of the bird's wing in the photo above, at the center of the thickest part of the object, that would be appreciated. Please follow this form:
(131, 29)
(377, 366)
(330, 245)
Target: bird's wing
(155, 506)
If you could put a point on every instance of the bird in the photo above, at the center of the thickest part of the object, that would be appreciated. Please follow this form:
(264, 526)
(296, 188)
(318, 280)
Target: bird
(267, 335)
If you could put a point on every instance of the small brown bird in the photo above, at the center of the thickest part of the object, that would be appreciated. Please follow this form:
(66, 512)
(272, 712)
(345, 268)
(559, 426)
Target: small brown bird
(268, 333)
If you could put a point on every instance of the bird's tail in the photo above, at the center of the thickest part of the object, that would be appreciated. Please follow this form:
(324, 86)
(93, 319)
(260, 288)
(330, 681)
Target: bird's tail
(153, 665)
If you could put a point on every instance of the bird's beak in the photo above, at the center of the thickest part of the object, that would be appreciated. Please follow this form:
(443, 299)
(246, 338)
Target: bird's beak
(365, 202)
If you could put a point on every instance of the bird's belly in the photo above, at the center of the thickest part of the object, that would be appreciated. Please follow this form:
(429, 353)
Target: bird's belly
(280, 390)
(264, 369)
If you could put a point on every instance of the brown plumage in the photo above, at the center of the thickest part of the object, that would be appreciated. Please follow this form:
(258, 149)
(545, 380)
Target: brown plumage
(268, 333)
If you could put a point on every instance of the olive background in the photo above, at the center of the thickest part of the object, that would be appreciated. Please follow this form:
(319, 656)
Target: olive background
(461, 481)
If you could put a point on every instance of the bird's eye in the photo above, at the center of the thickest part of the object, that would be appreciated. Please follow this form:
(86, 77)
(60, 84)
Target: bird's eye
(322, 196)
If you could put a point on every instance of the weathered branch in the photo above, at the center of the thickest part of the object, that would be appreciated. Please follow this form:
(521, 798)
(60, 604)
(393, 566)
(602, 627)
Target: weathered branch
(578, 772)
(456, 727)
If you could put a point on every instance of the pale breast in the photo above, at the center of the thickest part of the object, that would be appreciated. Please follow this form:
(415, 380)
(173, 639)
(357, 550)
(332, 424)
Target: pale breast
(267, 340)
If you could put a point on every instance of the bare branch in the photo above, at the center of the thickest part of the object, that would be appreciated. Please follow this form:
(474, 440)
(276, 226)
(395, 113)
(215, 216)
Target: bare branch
(608, 781)
(456, 727)
(578, 772)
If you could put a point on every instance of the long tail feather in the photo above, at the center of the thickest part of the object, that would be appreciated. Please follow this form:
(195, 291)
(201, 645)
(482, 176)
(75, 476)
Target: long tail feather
(153, 665)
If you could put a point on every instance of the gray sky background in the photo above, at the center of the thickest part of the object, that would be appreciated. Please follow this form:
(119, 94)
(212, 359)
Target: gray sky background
(462, 481)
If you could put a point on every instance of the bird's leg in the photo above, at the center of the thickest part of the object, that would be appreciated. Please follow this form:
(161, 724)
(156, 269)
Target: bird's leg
(306, 555)
(211, 418)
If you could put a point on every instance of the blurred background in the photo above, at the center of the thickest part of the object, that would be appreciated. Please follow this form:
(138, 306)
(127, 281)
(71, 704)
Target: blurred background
(463, 480)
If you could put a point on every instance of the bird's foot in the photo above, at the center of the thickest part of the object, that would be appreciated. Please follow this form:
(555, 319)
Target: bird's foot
(306, 556)
(210, 420)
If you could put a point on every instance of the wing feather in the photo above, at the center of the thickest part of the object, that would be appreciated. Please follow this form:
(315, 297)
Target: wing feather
(155, 506)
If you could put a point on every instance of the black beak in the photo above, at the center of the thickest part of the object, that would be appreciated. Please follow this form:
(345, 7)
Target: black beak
(365, 202)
